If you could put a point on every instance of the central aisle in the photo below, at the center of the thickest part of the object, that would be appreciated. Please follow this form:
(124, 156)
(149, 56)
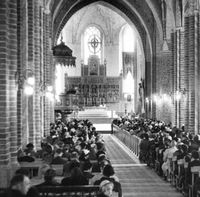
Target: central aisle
(137, 179)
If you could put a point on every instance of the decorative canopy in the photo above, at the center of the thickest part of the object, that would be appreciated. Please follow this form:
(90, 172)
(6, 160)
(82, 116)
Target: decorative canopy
(63, 55)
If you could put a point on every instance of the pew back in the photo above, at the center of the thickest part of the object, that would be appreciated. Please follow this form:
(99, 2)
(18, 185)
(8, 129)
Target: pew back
(72, 191)
(68, 191)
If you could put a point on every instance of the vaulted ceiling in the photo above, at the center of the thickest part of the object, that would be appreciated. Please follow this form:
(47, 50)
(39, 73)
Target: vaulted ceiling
(144, 14)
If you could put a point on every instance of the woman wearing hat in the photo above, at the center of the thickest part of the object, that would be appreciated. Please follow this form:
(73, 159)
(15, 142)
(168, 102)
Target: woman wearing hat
(106, 189)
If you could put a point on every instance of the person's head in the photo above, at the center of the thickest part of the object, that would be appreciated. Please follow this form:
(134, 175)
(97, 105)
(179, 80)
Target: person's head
(195, 155)
(30, 146)
(50, 175)
(185, 148)
(74, 156)
(76, 172)
(58, 152)
(104, 163)
(74, 164)
(87, 166)
(101, 157)
(21, 183)
(108, 171)
(173, 143)
(106, 187)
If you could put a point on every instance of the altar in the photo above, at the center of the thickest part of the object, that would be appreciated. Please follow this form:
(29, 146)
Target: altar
(93, 87)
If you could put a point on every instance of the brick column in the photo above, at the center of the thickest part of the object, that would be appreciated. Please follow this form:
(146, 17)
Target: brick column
(181, 80)
(179, 73)
(173, 71)
(47, 65)
(12, 51)
(196, 71)
(31, 65)
(8, 101)
(189, 69)
(37, 65)
(22, 123)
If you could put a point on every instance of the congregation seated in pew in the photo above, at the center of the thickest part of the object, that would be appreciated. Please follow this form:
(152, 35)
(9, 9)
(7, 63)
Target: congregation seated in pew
(58, 159)
(49, 178)
(160, 135)
(76, 150)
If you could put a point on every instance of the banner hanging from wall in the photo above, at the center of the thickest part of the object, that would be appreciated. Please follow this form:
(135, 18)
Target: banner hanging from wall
(128, 63)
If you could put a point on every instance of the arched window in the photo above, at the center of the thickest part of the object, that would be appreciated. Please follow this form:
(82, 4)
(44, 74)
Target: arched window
(92, 43)
(128, 40)
(126, 58)
(127, 46)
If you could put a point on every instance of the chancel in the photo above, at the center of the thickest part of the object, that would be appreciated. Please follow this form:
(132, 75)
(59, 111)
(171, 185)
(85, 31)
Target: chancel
(109, 85)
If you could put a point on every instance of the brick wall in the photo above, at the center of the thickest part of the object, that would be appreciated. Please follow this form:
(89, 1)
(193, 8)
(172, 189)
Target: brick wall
(184, 75)
(164, 107)
(21, 35)
(8, 105)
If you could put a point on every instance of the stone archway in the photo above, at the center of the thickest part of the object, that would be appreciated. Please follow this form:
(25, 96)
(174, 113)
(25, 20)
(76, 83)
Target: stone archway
(149, 28)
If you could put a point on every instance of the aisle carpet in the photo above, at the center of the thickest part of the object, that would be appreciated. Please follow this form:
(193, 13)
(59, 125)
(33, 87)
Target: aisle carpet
(138, 180)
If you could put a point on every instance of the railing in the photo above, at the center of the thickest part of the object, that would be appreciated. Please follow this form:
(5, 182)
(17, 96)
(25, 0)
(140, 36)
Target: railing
(131, 141)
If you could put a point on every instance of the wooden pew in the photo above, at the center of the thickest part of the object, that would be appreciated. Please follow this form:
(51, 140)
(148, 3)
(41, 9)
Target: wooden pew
(180, 164)
(70, 191)
(173, 168)
(32, 167)
(195, 172)
(58, 168)
(198, 193)
(157, 163)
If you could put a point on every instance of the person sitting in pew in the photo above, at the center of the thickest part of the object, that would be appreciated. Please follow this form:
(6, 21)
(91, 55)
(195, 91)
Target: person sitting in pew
(194, 162)
(32, 191)
(19, 186)
(106, 189)
(99, 175)
(144, 148)
(76, 176)
(28, 155)
(196, 186)
(49, 178)
(58, 159)
(87, 170)
(100, 148)
(30, 150)
(109, 174)
(97, 165)
(167, 155)
(74, 157)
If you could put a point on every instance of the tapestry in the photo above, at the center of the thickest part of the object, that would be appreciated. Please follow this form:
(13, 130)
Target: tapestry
(93, 64)
(128, 63)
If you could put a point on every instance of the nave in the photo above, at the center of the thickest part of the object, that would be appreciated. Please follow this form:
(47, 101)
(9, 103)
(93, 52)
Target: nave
(136, 179)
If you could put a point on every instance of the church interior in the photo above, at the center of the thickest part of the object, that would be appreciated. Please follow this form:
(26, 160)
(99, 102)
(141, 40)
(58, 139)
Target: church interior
(135, 58)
